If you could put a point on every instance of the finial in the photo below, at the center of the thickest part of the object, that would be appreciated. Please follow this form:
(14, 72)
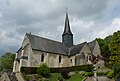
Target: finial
(66, 10)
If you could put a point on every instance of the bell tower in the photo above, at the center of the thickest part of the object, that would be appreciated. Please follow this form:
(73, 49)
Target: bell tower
(67, 36)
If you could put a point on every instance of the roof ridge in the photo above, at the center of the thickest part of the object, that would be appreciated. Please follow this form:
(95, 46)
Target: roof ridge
(46, 38)
(80, 44)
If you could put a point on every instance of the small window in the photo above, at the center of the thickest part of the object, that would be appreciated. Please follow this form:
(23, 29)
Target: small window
(42, 58)
(59, 59)
(71, 60)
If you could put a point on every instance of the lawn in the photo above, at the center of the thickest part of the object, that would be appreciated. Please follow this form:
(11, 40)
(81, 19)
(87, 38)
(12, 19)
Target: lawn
(54, 77)
(74, 77)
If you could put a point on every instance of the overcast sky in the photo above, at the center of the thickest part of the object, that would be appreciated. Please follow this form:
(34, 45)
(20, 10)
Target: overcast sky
(89, 19)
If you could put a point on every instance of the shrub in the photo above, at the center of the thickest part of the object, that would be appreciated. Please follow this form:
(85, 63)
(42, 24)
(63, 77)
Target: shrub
(87, 68)
(43, 70)
(29, 70)
(26, 77)
(118, 75)
(60, 78)
(110, 74)
(102, 73)
(88, 74)
(64, 73)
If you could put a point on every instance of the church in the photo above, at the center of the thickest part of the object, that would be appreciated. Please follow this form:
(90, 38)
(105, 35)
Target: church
(36, 50)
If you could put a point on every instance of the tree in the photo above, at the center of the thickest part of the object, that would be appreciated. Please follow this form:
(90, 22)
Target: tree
(115, 48)
(115, 44)
(6, 61)
(43, 70)
(115, 52)
(104, 46)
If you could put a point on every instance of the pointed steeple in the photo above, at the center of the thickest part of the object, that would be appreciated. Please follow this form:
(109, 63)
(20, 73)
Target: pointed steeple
(67, 25)
(67, 37)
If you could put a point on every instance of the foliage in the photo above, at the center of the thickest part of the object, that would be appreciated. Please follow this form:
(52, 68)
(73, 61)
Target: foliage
(7, 61)
(104, 46)
(26, 77)
(29, 70)
(55, 76)
(33, 70)
(76, 77)
(115, 48)
(110, 74)
(114, 59)
(64, 73)
(115, 44)
(87, 68)
(43, 70)
(102, 73)
(60, 78)
(88, 74)
(118, 75)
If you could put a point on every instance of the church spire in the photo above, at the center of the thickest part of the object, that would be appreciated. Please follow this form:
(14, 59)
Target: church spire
(67, 25)
(67, 37)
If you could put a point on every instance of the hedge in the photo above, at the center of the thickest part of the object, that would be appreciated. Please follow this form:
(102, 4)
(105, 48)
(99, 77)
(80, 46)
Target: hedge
(110, 74)
(32, 70)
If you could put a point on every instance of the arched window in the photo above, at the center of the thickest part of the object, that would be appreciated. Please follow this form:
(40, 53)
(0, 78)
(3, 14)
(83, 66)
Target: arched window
(59, 59)
(42, 58)
(71, 60)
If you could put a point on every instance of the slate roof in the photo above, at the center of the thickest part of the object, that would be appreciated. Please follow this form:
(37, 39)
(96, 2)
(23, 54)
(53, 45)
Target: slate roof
(92, 45)
(67, 26)
(47, 45)
(77, 48)
(43, 44)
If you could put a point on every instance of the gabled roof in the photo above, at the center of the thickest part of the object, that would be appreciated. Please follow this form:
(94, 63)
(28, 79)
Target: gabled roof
(51, 46)
(92, 45)
(43, 44)
(77, 48)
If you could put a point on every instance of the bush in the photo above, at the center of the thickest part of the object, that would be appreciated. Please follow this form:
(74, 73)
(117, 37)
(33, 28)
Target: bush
(60, 78)
(87, 68)
(33, 70)
(43, 70)
(88, 74)
(29, 70)
(26, 77)
(110, 74)
(64, 73)
(118, 75)
(102, 73)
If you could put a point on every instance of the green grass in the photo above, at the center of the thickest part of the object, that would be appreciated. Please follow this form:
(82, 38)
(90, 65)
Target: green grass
(75, 77)
(54, 77)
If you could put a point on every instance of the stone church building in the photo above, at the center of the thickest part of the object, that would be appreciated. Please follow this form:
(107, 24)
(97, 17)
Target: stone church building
(36, 50)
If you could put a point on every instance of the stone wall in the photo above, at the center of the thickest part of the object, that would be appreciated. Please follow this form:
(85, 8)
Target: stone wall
(22, 56)
(72, 61)
(51, 59)
(82, 57)
(96, 50)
